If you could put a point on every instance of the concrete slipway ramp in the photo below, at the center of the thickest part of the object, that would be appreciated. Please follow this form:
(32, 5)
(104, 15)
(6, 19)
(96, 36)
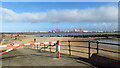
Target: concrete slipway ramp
(29, 57)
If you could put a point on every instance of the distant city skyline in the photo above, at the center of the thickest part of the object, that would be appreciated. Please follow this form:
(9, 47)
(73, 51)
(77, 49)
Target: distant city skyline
(43, 16)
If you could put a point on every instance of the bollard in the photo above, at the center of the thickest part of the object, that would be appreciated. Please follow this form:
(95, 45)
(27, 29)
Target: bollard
(58, 42)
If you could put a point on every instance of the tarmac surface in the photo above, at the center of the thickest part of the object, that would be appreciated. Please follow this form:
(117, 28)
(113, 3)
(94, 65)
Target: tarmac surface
(30, 57)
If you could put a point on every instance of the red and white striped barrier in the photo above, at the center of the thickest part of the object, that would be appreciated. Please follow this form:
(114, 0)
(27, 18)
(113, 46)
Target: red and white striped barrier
(11, 49)
(19, 45)
(58, 43)
(28, 44)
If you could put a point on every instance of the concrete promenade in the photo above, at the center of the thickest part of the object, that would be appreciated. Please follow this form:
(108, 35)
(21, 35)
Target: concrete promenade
(29, 57)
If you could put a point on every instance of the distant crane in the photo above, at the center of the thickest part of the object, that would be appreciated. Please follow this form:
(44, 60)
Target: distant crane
(56, 30)
(52, 30)
(81, 30)
(75, 30)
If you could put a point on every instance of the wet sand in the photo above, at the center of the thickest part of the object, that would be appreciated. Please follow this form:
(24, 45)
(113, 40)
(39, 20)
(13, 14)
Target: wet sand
(8, 39)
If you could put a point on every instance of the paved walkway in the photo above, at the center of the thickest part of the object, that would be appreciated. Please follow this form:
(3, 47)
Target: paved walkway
(29, 57)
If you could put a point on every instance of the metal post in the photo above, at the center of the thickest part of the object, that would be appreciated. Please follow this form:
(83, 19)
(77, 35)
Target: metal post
(44, 47)
(34, 42)
(89, 49)
(56, 47)
(97, 47)
(37, 46)
(50, 47)
(69, 48)
(58, 44)
(34, 46)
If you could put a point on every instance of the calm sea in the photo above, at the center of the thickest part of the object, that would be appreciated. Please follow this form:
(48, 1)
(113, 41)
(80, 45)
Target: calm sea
(62, 34)
(67, 33)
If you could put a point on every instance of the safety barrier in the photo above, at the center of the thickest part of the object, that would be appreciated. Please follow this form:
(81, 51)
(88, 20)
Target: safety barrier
(89, 47)
(58, 42)
(19, 45)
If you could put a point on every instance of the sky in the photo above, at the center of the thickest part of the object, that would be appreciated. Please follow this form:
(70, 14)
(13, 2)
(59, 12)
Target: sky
(43, 16)
(60, 0)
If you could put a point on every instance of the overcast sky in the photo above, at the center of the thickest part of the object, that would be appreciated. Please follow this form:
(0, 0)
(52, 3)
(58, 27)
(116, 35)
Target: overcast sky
(43, 16)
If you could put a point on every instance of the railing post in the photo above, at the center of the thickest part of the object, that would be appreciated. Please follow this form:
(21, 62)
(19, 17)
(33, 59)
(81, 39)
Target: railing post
(89, 49)
(58, 50)
(40, 47)
(34, 46)
(34, 40)
(37, 46)
(97, 47)
(50, 47)
(28, 46)
(57, 47)
(44, 47)
(69, 48)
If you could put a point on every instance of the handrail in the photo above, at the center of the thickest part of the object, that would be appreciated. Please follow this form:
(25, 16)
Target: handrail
(94, 42)
(109, 43)
(89, 46)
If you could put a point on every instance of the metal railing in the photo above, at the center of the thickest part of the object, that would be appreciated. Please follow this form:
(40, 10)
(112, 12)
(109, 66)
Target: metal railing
(89, 47)
(69, 45)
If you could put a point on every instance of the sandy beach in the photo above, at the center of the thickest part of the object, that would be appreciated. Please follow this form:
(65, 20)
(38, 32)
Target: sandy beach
(77, 46)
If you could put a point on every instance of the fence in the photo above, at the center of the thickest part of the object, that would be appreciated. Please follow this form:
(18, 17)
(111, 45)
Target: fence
(28, 46)
(68, 45)
(89, 47)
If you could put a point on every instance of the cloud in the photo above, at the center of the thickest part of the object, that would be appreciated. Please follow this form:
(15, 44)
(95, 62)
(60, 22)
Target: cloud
(100, 14)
